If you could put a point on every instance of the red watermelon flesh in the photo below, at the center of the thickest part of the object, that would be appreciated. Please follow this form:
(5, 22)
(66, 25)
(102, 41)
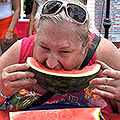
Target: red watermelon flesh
(88, 70)
(58, 114)
(4, 115)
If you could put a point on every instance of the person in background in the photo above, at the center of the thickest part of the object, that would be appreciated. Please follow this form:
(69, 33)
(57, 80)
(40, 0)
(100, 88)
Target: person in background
(35, 15)
(28, 9)
(8, 21)
(62, 41)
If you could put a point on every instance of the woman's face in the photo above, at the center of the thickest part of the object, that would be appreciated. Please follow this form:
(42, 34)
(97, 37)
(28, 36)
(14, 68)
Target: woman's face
(58, 46)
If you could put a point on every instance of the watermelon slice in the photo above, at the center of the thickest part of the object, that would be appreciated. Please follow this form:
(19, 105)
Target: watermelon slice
(61, 81)
(58, 114)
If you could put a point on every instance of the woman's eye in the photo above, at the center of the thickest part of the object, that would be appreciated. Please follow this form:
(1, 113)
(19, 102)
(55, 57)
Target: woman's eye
(45, 48)
(64, 52)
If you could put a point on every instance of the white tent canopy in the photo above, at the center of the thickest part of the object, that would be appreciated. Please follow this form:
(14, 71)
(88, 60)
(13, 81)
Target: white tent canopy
(22, 12)
(22, 4)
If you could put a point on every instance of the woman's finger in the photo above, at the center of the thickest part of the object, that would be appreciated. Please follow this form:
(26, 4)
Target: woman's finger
(112, 73)
(10, 88)
(104, 66)
(109, 71)
(103, 81)
(16, 67)
(22, 83)
(104, 93)
(18, 75)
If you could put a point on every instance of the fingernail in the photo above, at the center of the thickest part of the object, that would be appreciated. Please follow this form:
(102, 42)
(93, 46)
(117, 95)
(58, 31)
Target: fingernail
(105, 71)
(94, 91)
(92, 82)
(32, 74)
(26, 65)
(34, 81)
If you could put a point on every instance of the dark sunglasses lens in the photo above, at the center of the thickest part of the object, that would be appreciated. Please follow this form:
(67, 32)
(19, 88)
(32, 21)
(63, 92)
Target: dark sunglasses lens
(51, 7)
(76, 12)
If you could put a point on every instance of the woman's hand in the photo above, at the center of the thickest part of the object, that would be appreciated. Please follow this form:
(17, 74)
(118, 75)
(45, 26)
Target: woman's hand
(109, 85)
(8, 37)
(11, 79)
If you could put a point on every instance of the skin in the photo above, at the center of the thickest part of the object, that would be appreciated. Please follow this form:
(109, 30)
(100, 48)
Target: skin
(9, 39)
(59, 47)
(109, 87)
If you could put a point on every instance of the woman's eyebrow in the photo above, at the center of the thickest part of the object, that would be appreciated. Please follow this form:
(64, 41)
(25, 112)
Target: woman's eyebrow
(42, 43)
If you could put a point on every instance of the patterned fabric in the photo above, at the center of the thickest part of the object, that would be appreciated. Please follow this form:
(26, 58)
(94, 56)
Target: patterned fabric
(85, 98)
(25, 97)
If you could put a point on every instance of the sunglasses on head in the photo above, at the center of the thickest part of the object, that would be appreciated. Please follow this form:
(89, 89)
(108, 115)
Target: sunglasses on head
(74, 11)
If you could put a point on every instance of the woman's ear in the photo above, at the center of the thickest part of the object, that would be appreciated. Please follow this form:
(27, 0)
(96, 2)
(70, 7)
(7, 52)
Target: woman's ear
(86, 48)
(83, 50)
(86, 45)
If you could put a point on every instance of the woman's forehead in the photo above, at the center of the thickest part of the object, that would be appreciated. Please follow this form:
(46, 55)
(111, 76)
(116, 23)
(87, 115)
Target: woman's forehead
(57, 25)
(65, 31)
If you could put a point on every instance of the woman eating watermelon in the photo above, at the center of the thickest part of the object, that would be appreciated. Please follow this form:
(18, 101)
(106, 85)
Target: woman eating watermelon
(63, 41)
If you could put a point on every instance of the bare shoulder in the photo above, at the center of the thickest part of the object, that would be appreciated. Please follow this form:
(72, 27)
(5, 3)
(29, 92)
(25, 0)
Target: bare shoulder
(108, 53)
(11, 56)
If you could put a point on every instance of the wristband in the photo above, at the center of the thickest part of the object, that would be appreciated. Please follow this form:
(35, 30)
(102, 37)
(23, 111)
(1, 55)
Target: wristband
(5, 96)
(117, 100)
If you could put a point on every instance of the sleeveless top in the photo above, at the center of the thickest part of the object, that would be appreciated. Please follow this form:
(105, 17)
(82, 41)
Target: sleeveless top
(5, 8)
(24, 97)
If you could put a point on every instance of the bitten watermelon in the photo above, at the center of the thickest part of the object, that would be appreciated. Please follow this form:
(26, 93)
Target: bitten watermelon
(58, 114)
(61, 81)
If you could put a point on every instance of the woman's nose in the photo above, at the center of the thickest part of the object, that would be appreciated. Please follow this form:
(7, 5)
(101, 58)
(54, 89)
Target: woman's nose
(52, 61)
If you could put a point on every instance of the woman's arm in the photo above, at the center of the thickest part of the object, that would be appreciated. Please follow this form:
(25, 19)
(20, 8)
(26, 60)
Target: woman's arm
(108, 53)
(32, 17)
(109, 86)
(8, 58)
(11, 73)
(17, 8)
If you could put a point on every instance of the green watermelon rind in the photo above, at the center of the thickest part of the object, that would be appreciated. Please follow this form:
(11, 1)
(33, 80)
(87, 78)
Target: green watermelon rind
(94, 71)
(62, 84)
(98, 113)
